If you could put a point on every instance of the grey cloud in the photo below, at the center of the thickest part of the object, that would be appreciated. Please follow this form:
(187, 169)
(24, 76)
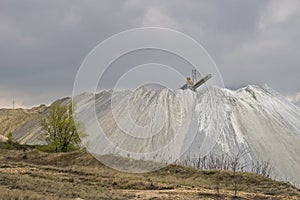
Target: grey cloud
(42, 43)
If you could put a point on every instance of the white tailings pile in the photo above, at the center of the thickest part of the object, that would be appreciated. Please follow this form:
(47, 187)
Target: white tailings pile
(165, 125)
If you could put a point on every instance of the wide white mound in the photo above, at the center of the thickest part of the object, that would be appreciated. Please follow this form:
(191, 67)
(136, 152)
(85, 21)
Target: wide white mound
(165, 125)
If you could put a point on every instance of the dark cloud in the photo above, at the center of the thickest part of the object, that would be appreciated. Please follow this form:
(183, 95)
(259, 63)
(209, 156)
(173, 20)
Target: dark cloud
(42, 43)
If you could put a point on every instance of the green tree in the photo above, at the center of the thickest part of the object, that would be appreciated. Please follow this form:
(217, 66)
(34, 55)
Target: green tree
(61, 131)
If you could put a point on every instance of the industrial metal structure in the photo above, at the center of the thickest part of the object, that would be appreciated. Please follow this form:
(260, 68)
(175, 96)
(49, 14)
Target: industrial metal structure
(193, 83)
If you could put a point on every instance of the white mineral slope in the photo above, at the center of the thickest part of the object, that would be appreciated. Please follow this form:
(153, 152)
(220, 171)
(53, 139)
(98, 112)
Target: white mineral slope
(218, 120)
(271, 127)
(145, 124)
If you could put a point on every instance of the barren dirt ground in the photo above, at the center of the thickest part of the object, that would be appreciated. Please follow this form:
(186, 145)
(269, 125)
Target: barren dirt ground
(77, 175)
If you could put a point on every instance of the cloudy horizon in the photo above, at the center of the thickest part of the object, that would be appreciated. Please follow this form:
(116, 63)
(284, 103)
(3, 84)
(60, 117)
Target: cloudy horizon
(43, 43)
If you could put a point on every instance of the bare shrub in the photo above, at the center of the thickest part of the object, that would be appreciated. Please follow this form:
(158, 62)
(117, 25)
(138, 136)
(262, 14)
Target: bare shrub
(262, 167)
(234, 162)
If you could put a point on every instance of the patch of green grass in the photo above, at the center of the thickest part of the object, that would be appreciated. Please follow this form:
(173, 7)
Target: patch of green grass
(50, 148)
(10, 145)
(46, 148)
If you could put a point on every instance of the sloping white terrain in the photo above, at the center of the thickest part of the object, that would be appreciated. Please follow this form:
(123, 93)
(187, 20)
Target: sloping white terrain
(163, 125)
(167, 126)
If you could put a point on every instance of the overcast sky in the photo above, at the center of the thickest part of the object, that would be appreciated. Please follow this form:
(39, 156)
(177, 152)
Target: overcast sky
(43, 42)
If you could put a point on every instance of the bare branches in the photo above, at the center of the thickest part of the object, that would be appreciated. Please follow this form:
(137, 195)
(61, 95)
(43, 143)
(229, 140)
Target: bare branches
(238, 162)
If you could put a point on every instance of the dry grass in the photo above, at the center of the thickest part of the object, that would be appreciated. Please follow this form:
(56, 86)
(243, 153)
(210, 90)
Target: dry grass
(77, 175)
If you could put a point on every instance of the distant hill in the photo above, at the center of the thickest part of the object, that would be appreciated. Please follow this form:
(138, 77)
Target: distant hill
(24, 124)
(11, 120)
